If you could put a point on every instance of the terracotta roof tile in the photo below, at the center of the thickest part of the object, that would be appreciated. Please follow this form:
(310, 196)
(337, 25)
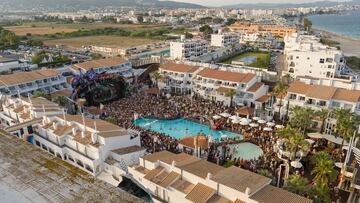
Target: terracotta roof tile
(100, 63)
(25, 77)
(201, 168)
(227, 75)
(277, 195)
(200, 193)
(255, 87)
(181, 68)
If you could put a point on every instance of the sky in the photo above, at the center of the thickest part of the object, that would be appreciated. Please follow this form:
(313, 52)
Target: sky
(231, 2)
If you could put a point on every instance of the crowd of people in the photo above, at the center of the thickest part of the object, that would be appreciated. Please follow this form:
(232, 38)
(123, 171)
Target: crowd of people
(143, 105)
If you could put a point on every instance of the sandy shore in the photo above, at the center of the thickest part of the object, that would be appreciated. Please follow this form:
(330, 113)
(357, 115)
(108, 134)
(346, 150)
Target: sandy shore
(350, 46)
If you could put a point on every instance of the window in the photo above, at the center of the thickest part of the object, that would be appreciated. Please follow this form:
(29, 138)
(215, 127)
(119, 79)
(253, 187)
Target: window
(348, 106)
(292, 96)
(37, 143)
(322, 103)
(335, 104)
(301, 98)
(322, 60)
(329, 60)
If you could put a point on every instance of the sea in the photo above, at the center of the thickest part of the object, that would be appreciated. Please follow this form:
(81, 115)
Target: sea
(346, 24)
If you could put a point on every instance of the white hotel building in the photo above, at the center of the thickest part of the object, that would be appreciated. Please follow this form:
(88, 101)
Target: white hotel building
(226, 39)
(181, 178)
(92, 145)
(177, 78)
(318, 97)
(108, 65)
(188, 48)
(306, 56)
(25, 83)
(212, 84)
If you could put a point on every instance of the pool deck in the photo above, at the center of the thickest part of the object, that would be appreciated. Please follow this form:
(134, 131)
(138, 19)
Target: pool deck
(28, 174)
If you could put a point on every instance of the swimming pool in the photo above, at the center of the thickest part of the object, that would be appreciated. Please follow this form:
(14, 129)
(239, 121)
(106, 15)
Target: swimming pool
(180, 128)
(245, 151)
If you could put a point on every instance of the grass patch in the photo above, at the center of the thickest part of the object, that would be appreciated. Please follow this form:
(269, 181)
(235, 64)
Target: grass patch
(262, 58)
(329, 42)
(108, 41)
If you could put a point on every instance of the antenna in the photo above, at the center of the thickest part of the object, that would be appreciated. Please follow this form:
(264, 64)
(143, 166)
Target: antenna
(64, 115)
(83, 119)
(95, 126)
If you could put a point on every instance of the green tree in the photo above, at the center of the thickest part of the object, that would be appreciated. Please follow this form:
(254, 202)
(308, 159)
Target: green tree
(322, 115)
(188, 35)
(38, 57)
(321, 193)
(347, 124)
(265, 173)
(298, 185)
(112, 120)
(61, 100)
(206, 29)
(156, 76)
(230, 21)
(140, 18)
(41, 94)
(230, 93)
(301, 118)
(323, 171)
(294, 141)
(280, 90)
(8, 39)
(307, 24)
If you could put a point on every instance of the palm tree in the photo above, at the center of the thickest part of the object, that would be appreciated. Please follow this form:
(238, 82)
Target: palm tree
(230, 93)
(294, 141)
(321, 193)
(322, 115)
(280, 90)
(324, 168)
(301, 118)
(347, 124)
(297, 184)
(156, 76)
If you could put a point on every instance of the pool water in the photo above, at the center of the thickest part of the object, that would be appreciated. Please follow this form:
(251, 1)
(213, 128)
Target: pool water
(180, 128)
(246, 151)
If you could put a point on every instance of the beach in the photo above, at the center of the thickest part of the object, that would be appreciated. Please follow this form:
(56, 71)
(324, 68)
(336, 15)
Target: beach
(350, 46)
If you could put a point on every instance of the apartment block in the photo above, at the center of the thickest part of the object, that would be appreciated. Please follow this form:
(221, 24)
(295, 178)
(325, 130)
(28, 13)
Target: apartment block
(188, 48)
(181, 178)
(226, 39)
(25, 83)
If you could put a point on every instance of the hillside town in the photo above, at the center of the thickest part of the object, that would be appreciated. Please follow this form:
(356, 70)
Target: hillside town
(195, 104)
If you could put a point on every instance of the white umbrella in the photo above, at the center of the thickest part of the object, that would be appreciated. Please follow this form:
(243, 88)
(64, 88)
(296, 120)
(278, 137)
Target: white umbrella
(261, 121)
(310, 141)
(246, 120)
(235, 121)
(224, 136)
(279, 126)
(254, 125)
(216, 117)
(339, 164)
(225, 115)
(267, 129)
(296, 164)
(244, 123)
(255, 118)
(234, 117)
(271, 124)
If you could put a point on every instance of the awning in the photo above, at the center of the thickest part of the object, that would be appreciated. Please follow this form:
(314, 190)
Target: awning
(315, 135)
(225, 115)
(333, 139)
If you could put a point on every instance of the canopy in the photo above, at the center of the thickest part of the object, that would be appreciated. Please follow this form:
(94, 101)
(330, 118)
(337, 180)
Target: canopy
(216, 117)
(225, 115)
(310, 141)
(234, 117)
(333, 139)
(279, 126)
(255, 118)
(245, 120)
(296, 164)
(267, 129)
(244, 123)
(315, 135)
(261, 121)
(254, 125)
(235, 121)
(271, 124)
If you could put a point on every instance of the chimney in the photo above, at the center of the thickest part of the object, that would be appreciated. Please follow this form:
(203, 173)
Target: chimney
(82, 134)
(208, 176)
(55, 125)
(74, 131)
(247, 191)
(173, 163)
(94, 138)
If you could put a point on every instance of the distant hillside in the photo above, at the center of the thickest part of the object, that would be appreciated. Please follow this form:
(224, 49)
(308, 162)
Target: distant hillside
(291, 5)
(85, 4)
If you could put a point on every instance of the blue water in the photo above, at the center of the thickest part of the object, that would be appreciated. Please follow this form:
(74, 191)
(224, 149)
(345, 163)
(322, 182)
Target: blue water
(347, 24)
(246, 151)
(180, 128)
